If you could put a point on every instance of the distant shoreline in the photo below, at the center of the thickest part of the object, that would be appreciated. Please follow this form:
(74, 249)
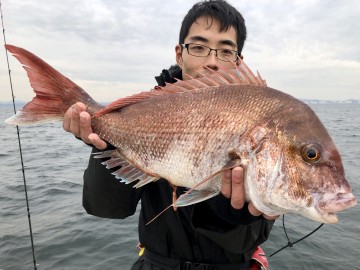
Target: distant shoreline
(319, 101)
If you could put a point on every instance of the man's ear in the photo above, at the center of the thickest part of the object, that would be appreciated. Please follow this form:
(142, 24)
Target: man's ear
(178, 55)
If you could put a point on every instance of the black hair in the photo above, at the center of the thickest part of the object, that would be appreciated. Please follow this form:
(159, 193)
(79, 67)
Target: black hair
(215, 9)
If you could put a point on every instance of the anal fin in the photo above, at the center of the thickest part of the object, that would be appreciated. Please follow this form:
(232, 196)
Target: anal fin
(127, 172)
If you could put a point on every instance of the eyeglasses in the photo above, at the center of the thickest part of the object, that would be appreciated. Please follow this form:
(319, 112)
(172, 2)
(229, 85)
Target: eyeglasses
(199, 50)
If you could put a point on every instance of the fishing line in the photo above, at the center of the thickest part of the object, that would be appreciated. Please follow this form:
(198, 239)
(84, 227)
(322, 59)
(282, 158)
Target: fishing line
(291, 244)
(19, 142)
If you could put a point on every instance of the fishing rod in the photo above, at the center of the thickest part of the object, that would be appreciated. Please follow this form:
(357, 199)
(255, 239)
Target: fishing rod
(19, 142)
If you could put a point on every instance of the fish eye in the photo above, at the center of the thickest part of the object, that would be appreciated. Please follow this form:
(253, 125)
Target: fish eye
(311, 153)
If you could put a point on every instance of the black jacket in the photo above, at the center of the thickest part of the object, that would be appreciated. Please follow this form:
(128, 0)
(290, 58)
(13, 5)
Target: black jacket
(208, 232)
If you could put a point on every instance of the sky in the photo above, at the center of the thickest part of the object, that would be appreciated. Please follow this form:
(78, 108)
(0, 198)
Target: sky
(307, 48)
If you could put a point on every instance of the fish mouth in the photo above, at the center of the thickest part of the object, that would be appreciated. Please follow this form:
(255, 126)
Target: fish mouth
(328, 218)
(330, 204)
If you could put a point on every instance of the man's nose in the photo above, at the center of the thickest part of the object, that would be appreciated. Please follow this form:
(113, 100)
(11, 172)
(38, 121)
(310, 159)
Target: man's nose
(212, 62)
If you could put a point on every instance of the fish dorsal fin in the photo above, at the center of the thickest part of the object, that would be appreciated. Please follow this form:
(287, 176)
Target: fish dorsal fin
(127, 173)
(238, 75)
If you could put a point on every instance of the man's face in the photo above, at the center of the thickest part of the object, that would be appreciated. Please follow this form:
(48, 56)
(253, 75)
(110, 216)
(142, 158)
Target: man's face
(205, 31)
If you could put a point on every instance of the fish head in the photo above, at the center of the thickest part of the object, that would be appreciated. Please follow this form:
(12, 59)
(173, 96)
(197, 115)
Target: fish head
(299, 169)
(317, 176)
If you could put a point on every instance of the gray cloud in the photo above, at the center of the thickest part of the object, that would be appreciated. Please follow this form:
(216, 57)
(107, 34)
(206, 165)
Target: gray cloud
(307, 48)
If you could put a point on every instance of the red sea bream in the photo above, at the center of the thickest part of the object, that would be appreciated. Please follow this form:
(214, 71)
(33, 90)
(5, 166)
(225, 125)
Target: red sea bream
(191, 131)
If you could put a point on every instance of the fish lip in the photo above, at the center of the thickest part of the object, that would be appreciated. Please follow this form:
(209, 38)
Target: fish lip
(326, 206)
(329, 218)
(331, 204)
(320, 216)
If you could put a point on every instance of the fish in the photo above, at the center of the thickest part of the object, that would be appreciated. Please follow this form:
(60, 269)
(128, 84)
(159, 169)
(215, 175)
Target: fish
(191, 131)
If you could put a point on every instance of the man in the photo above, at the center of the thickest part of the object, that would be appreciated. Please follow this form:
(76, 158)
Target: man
(220, 233)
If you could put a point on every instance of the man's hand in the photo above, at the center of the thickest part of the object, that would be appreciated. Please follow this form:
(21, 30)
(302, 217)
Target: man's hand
(232, 187)
(78, 122)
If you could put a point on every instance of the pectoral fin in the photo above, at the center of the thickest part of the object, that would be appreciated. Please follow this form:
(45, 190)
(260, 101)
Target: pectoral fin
(195, 196)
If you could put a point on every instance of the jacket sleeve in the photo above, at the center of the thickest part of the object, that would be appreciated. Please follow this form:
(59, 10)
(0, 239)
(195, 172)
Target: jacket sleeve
(230, 232)
(222, 208)
(104, 195)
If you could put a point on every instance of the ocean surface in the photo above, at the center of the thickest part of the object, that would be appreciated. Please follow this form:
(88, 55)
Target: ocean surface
(66, 237)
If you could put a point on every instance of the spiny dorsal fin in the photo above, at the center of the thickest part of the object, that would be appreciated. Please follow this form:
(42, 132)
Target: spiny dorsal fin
(239, 75)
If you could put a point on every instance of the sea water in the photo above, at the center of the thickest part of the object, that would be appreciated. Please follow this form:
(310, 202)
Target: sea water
(66, 237)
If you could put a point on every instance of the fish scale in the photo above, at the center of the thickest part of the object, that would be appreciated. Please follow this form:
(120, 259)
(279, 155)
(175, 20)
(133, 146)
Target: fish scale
(188, 136)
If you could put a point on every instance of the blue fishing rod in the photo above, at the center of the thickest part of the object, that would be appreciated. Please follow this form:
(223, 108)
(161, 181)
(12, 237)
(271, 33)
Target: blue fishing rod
(19, 142)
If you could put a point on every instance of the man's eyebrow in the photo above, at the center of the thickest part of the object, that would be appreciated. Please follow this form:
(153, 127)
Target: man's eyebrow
(221, 42)
(228, 42)
(199, 38)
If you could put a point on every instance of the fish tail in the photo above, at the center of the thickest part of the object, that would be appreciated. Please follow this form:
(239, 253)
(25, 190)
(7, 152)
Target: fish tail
(54, 92)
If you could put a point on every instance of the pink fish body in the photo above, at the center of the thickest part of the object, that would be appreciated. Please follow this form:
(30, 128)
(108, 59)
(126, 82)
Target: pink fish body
(191, 131)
